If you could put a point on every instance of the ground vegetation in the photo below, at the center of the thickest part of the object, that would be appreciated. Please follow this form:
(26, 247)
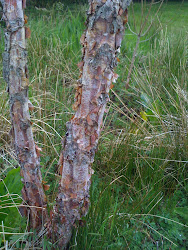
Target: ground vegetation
(139, 188)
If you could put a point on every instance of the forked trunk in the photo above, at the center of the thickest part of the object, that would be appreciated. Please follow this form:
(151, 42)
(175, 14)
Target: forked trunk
(101, 42)
(16, 75)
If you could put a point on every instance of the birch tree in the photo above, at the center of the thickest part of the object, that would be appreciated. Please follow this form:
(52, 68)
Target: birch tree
(15, 73)
(101, 43)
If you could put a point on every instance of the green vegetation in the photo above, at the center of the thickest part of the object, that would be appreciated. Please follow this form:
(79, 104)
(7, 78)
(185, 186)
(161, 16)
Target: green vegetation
(139, 189)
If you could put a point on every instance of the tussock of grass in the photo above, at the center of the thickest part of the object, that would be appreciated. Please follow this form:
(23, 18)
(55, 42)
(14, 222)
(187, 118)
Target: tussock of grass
(140, 184)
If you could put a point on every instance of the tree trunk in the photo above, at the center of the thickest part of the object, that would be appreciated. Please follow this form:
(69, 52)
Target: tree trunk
(101, 42)
(16, 75)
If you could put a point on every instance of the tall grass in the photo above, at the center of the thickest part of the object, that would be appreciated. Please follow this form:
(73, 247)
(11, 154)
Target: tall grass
(140, 183)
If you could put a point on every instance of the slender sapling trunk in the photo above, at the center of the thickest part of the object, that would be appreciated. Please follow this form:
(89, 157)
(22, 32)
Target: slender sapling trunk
(16, 75)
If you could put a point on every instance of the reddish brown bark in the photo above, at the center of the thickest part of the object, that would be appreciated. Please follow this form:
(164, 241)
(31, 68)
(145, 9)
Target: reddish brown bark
(16, 75)
(101, 42)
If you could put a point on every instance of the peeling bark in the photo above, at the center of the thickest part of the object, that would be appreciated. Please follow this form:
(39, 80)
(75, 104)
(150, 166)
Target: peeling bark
(101, 43)
(15, 74)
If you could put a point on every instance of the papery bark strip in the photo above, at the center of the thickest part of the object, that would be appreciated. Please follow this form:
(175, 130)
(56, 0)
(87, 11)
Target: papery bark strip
(16, 75)
(101, 43)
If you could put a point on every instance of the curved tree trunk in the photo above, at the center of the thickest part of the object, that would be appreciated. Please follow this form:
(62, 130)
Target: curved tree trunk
(16, 75)
(101, 42)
